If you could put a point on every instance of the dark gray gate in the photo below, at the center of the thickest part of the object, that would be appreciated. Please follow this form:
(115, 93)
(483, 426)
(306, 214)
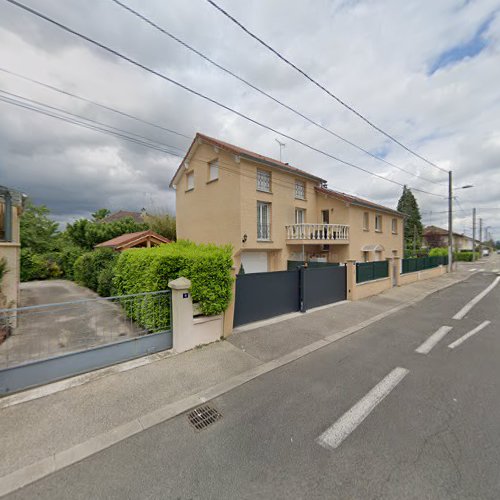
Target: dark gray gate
(49, 342)
(324, 285)
(265, 295)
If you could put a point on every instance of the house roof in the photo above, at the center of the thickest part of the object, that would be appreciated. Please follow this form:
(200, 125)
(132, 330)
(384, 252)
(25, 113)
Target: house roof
(354, 200)
(441, 231)
(244, 153)
(128, 238)
(122, 214)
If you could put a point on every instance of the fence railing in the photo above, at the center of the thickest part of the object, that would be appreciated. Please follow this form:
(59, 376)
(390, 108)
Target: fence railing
(42, 331)
(422, 263)
(369, 271)
(322, 232)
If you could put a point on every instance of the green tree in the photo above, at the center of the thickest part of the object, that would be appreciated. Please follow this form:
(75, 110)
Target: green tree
(38, 231)
(413, 228)
(100, 214)
(163, 224)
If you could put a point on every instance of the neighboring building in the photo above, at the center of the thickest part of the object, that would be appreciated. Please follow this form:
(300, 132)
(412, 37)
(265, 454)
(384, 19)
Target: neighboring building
(11, 205)
(272, 212)
(124, 214)
(141, 239)
(435, 236)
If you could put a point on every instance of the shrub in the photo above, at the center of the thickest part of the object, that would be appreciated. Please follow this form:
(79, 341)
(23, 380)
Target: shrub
(438, 252)
(89, 266)
(3, 268)
(464, 256)
(150, 269)
(66, 259)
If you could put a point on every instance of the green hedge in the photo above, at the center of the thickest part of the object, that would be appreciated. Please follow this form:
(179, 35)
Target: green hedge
(36, 266)
(463, 255)
(95, 270)
(150, 269)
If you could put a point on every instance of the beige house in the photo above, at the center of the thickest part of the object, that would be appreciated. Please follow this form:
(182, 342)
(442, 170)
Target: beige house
(11, 203)
(435, 236)
(272, 213)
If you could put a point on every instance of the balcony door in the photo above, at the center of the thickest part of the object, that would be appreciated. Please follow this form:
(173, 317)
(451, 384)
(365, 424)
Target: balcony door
(300, 216)
(263, 221)
(325, 216)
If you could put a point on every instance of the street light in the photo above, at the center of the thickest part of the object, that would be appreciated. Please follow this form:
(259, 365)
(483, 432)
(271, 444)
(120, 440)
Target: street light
(450, 217)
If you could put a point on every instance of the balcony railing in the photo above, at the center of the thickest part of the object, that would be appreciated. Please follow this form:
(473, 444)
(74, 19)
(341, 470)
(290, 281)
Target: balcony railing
(317, 232)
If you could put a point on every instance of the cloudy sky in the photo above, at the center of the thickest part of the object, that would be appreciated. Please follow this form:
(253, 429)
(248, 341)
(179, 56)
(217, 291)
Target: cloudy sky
(426, 71)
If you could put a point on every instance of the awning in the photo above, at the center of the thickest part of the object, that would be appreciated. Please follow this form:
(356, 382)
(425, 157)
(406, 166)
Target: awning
(372, 248)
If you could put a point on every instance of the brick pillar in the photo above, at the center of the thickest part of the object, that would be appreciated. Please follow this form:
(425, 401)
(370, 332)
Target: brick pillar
(351, 279)
(182, 314)
(397, 268)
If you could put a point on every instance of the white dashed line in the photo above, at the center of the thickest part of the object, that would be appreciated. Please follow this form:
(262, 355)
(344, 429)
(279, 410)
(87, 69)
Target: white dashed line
(460, 314)
(426, 347)
(473, 269)
(334, 435)
(461, 340)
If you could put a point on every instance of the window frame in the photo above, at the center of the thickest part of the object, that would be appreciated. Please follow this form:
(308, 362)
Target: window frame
(366, 221)
(302, 184)
(394, 225)
(264, 173)
(213, 163)
(190, 175)
(378, 217)
(303, 212)
(260, 222)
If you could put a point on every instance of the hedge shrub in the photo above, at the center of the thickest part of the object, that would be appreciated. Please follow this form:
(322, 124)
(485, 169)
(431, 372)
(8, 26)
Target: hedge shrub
(36, 266)
(94, 270)
(462, 255)
(150, 269)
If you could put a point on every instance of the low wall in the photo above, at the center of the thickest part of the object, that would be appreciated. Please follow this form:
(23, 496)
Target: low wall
(369, 288)
(10, 282)
(407, 278)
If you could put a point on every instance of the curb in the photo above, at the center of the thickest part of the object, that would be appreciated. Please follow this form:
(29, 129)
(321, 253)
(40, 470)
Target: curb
(42, 468)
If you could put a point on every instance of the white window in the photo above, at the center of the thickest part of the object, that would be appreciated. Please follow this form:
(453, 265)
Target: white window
(366, 221)
(263, 181)
(300, 216)
(300, 190)
(263, 221)
(394, 226)
(190, 180)
(213, 170)
(378, 223)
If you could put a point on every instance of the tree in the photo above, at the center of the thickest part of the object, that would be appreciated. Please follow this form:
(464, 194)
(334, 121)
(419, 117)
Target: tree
(413, 228)
(162, 223)
(100, 214)
(38, 232)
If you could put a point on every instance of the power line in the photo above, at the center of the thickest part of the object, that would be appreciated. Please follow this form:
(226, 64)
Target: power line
(319, 85)
(262, 92)
(95, 103)
(203, 96)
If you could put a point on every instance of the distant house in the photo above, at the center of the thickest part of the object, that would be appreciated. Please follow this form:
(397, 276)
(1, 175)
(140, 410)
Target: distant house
(141, 239)
(11, 206)
(124, 214)
(273, 213)
(435, 236)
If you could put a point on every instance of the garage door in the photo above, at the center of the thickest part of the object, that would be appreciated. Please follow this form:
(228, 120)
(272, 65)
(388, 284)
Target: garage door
(254, 262)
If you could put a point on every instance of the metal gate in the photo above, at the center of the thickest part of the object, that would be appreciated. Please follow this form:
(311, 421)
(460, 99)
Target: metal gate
(265, 295)
(324, 285)
(45, 343)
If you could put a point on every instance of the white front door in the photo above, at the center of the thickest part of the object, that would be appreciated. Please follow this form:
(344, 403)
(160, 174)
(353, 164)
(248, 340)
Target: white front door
(254, 262)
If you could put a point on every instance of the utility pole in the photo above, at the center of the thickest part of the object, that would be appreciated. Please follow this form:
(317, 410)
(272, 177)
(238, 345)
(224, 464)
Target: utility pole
(480, 237)
(450, 221)
(473, 234)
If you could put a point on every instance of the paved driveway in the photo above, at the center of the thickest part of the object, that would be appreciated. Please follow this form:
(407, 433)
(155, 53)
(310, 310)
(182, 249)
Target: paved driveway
(57, 329)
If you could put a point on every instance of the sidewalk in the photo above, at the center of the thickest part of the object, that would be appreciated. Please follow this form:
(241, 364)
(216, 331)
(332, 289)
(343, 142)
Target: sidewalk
(45, 434)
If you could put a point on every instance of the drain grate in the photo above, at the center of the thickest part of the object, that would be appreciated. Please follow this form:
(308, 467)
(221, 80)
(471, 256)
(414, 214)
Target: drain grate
(203, 416)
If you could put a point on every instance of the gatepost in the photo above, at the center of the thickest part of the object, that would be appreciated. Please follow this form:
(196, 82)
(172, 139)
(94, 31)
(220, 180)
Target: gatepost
(351, 279)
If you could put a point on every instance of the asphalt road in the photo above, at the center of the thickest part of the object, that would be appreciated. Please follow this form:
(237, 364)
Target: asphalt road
(338, 423)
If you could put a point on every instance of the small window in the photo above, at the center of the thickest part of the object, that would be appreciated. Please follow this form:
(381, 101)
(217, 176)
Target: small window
(366, 221)
(300, 190)
(190, 180)
(378, 223)
(213, 170)
(300, 216)
(263, 181)
(263, 221)
(394, 226)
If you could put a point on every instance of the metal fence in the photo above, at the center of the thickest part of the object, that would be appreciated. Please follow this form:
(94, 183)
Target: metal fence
(369, 271)
(38, 332)
(421, 263)
(296, 264)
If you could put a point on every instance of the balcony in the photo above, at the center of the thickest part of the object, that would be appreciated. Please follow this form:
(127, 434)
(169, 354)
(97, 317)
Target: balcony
(324, 234)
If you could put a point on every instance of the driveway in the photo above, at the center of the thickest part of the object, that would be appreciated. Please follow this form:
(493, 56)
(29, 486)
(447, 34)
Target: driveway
(84, 320)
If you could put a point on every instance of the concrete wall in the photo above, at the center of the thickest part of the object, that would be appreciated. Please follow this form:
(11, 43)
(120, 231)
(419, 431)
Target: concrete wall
(407, 278)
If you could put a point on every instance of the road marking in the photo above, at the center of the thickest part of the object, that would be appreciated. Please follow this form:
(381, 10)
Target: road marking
(473, 269)
(495, 270)
(462, 339)
(460, 314)
(426, 347)
(334, 435)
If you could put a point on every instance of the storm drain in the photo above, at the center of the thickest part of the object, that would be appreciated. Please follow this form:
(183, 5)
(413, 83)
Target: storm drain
(203, 416)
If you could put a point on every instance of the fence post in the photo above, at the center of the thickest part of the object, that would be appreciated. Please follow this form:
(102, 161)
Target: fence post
(351, 279)
(182, 314)
(397, 270)
(229, 312)
(302, 277)
(390, 270)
